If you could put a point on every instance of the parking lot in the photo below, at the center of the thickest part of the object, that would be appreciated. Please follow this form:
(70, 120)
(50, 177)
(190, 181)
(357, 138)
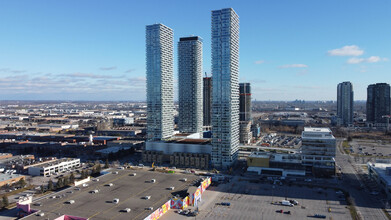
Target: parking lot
(274, 140)
(254, 201)
(129, 190)
(370, 148)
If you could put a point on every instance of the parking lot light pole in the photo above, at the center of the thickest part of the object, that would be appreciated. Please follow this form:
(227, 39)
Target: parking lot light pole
(273, 193)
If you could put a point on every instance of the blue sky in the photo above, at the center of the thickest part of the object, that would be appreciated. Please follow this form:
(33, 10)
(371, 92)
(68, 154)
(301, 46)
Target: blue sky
(95, 50)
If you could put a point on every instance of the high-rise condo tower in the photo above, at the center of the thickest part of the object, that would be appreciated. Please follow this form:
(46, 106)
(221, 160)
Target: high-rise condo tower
(160, 88)
(225, 95)
(190, 84)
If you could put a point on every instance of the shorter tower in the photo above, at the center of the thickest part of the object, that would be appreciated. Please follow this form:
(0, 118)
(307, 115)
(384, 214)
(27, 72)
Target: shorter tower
(190, 84)
(245, 134)
(207, 101)
(378, 103)
(345, 103)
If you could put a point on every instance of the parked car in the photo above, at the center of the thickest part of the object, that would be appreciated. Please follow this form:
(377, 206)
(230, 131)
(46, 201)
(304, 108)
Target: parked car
(294, 202)
(126, 210)
(225, 204)
(70, 202)
(286, 203)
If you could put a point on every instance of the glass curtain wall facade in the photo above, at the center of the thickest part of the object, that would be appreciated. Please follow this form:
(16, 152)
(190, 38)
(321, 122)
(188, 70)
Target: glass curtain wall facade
(190, 85)
(160, 88)
(207, 100)
(345, 103)
(225, 95)
(378, 103)
(245, 102)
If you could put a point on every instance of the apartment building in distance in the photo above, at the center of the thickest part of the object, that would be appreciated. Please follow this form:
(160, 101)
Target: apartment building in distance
(378, 104)
(345, 103)
(245, 120)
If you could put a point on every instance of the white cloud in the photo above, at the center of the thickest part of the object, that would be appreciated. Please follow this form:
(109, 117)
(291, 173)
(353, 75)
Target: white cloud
(350, 50)
(259, 61)
(355, 60)
(108, 68)
(293, 66)
(8, 70)
(130, 70)
(372, 59)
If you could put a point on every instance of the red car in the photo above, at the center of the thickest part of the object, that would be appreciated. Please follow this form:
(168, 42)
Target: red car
(280, 211)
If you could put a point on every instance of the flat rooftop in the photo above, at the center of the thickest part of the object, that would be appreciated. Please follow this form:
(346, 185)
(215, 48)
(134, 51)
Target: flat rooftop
(6, 176)
(52, 163)
(310, 129)
(317, 133)
(380, 169)
(128, 189)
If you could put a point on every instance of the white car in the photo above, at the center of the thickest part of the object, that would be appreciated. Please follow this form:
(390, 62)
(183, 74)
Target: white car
(126, 210)
(70, 202)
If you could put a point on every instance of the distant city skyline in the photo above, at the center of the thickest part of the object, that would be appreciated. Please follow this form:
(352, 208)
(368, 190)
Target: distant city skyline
(95, 50)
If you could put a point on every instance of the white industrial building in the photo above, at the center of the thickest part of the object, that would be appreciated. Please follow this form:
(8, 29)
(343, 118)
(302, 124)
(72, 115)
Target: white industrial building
(60, 165)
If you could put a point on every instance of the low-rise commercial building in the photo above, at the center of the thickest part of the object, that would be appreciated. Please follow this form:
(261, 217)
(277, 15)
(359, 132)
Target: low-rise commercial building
(317, 157)
(180, 152)
(381, 173)
(318, 151)
(264, 163)
(56, 166)
(8, 179)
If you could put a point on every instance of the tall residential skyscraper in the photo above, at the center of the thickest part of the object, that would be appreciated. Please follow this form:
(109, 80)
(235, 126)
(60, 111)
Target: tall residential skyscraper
(160, 77)
(345, 103)
(244, 102)
(225, 101)
(378, 102)
(207, 100)
(190, 84)
(245, 134)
